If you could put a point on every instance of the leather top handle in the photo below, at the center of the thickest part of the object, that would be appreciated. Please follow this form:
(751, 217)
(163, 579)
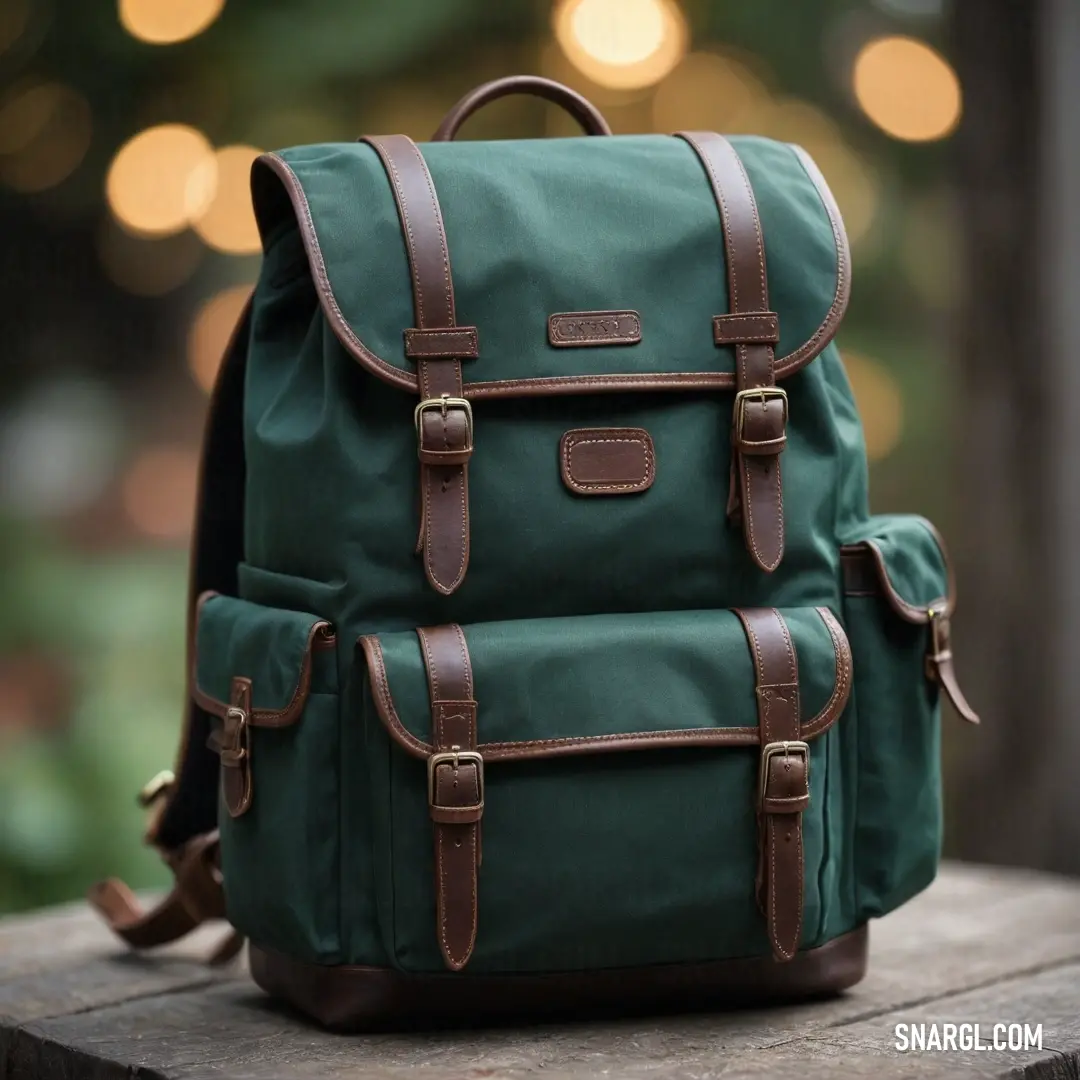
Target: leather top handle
(584, 112)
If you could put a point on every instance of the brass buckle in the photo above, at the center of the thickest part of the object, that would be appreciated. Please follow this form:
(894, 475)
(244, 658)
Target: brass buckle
(940, 643)
(444, 402)
(762, 394)
(455, 757)
(233, 750)
(792, 748)
(154, 788)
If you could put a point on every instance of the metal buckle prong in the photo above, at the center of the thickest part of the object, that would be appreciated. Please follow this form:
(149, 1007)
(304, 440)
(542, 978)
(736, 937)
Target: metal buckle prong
(233, 736)
(454, 758)
(940, 644)
(787, 748)
(444, 402)
(762, 394)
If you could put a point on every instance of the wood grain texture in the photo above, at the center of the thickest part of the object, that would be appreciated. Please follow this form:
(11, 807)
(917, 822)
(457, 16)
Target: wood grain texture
(981, 945)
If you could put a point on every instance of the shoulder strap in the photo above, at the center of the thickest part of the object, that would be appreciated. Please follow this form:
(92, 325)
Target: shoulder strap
(184, 827)
(759, 425)
(444, 427)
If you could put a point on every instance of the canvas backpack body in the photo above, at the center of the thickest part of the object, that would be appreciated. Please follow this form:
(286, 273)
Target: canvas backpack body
(544, 653)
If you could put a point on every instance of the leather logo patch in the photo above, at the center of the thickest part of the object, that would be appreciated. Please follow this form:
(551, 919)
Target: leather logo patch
(574, 329)
(607, 461)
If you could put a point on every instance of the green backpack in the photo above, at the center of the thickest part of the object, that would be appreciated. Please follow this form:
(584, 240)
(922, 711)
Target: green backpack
(544, 654)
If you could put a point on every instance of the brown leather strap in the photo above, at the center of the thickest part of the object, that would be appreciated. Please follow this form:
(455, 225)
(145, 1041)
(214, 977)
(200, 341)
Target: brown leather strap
(583, 111)
(233, 744)
(759, 425)
(784, 780)
(746, 329)
(195, 898)
(939, 662)
(444, 426)
(859, 571)
(455, 790)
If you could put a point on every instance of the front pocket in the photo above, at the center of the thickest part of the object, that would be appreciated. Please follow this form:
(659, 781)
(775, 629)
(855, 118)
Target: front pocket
(270, 677)
(620, 761)
(899, 597)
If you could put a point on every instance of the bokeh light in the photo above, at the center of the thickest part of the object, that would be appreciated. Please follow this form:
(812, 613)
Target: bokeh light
(879, 401)
(210, 332)
(907, 88)
(708, 92)
(159, 492)
(227, 223)
(623, 44)
(45, 131)
(59, 445)
(161, 179)
(147, 265)
(165, 22)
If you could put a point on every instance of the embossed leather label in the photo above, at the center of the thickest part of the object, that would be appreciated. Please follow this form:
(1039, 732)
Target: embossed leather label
(607, 461)
(570, 329)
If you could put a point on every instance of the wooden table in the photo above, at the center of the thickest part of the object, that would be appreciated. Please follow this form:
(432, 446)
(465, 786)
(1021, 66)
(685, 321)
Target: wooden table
(981, 946)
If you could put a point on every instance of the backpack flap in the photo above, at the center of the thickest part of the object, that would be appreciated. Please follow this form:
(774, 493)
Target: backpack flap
(623, 233)
(611, 246)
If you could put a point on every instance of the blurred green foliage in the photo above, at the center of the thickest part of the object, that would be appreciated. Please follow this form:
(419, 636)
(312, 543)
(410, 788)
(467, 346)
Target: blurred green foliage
(110, 630)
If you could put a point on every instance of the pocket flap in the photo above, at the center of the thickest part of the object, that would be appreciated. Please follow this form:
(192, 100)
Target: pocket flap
(905, 560)
(550, 687)
(269, 647)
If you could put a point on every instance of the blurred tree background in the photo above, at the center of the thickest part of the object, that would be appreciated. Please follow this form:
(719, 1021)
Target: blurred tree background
(128, 245)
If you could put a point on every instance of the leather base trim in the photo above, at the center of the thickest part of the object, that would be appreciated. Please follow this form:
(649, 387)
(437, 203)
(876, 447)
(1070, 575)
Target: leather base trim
(351, 998)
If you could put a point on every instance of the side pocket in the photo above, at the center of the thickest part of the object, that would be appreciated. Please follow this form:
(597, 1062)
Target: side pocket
(899, 597)
(270, 676)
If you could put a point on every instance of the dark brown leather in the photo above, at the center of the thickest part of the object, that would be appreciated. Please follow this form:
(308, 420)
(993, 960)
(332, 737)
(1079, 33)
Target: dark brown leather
(759, 424)
(785, 778)
(351, 997)
(455, 790)
(576, 329)
(528, 749)
(583, 111)
(859, 572)
(547, 386)
(939, 664)
(196, 897)
(746, 329)
(607, 461)
(234, 749)
(442, 342)
(444, 434)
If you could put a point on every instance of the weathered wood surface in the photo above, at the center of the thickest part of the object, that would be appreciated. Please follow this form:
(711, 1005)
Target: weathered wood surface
(981, 946)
